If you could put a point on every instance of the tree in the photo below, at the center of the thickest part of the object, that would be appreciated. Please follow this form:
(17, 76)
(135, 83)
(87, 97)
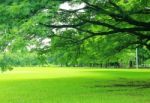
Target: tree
(95, 32)
(120, 24)
(107, 17)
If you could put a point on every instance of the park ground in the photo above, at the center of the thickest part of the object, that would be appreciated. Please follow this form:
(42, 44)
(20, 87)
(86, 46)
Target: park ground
(74, 85)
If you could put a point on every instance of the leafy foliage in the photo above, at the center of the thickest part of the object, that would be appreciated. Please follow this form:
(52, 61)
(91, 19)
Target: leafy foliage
(91, 32)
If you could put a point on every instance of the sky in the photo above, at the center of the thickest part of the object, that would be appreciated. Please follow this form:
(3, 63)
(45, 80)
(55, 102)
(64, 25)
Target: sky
(69, 7)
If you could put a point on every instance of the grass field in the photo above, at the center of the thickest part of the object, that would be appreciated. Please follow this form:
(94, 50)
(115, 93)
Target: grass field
(74, 85)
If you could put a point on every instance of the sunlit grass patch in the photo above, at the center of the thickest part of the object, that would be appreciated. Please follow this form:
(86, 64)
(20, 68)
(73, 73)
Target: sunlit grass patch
(74, 85)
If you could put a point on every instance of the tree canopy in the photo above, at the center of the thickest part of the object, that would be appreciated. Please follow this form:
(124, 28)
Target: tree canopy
(92, 30)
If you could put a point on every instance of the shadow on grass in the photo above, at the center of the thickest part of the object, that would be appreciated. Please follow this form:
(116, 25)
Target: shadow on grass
(123, 84)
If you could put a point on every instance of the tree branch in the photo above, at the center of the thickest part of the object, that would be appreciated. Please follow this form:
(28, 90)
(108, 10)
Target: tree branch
(64, 26)
(119, 17)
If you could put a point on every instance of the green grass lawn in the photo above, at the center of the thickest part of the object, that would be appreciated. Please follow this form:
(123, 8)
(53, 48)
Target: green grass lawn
(75, 85)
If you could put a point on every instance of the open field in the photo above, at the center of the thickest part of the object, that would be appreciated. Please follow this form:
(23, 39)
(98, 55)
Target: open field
(74, 85)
